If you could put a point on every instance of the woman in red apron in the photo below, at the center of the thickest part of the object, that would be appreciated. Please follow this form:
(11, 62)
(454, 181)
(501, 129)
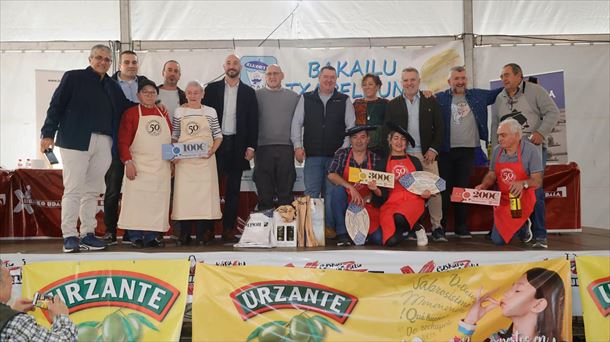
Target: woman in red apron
(402, 209)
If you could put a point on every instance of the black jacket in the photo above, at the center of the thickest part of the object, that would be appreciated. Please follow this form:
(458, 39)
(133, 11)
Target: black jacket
(73, 108)
(431, 125)
(246, 134)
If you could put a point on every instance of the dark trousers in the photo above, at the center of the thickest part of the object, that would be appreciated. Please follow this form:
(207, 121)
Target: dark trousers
(201, 226)
(229, 167)
(114, 181)
(455, 167)
(537, 217)
(274, 175)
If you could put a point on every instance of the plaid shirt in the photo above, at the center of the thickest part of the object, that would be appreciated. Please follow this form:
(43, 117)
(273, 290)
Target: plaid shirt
(338, 163)
(24, 328)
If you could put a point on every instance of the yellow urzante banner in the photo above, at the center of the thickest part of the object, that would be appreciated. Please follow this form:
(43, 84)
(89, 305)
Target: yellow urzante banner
(133, 300)
(529, 302)
(594, 285)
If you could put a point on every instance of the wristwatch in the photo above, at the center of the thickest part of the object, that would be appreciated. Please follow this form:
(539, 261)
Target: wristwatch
(526, 185)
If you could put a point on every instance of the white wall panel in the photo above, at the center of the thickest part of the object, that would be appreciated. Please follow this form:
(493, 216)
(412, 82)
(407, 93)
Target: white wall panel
(43, 20)
(587, 89)
(208, 20)
(534, 17)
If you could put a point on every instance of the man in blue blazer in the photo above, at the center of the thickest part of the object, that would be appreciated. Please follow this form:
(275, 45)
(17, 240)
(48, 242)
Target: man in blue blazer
(85, 112)
(237, 110)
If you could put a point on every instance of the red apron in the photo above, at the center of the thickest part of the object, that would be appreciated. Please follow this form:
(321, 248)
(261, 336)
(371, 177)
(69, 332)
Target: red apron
(506, 173)
(364, 191)
(400, 200)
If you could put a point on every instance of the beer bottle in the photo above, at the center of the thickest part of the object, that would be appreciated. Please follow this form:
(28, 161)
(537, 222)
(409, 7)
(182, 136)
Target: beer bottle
(515, 206)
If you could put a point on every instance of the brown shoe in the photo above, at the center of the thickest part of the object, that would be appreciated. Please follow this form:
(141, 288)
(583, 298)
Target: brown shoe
(330, 233)
(229, 238)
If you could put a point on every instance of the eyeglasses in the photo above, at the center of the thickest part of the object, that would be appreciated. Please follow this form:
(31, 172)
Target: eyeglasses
(102, 59)
(272, 73)
(149, 93)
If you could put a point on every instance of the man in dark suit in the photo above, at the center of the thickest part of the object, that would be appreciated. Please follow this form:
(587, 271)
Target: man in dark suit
(423, 119)
(237, 111)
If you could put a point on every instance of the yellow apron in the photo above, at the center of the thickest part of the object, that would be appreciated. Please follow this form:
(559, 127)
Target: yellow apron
(196, 193)
(145, 203)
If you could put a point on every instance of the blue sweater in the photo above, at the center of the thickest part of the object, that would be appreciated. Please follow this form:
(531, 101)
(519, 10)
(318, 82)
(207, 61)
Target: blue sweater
(478, 100)
(80, 106)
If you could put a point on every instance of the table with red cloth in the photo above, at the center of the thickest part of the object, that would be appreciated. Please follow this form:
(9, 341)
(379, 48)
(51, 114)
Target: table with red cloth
(30, 202)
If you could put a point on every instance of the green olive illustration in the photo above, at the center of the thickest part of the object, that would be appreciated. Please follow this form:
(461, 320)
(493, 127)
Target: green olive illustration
(112, 329)
(87, 334)
(272, 333)
(299, 330)
(136, 326)
(319, 326)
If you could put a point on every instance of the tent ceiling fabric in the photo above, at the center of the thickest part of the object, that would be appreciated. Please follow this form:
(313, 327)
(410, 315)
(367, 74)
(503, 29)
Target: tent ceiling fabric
(42, 20)
(209, 20)
(518, 17)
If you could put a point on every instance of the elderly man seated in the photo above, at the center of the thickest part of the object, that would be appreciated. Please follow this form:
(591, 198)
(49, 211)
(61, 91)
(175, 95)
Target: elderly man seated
(516, 166)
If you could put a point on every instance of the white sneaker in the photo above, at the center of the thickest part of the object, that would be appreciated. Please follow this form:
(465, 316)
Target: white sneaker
(422, 238)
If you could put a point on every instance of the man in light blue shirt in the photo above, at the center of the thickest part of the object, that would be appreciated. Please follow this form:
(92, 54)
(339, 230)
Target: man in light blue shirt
(128, 79)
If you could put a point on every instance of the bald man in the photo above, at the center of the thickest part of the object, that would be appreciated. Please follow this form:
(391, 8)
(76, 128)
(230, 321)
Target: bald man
(237, 111)
(274, 172)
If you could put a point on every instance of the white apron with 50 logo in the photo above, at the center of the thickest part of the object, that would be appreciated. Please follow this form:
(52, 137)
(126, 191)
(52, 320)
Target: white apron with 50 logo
(196, 193)
(145, 203)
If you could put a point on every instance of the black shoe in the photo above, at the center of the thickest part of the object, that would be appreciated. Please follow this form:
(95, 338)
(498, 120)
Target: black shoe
(229, 238)
(110, 239)
(126, 240)
(462, 233)
(488, 236)
(156, 243)
(540, 243)
(438, 235)
(411, 235)
(343, 241)
(137, 243)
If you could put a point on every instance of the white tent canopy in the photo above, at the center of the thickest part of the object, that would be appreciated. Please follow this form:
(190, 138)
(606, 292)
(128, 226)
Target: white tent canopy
(539, 35)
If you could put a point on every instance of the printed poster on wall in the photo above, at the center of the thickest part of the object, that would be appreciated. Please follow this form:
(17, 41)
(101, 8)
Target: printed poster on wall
(135, 300)
(594, 279)
(257, 303)
(557, 141)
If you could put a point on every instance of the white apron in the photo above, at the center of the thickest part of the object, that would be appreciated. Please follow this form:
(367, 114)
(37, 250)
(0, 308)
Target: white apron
(196, 193)
(145, 203)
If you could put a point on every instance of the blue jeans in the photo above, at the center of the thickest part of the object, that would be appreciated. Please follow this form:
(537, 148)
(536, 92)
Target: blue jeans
(338, 209)
(498, 240)
(537, 217)
(145, 235)
(316, 181)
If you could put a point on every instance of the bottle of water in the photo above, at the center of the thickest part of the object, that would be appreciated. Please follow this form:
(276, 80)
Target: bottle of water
(20, 163)
(28, 163)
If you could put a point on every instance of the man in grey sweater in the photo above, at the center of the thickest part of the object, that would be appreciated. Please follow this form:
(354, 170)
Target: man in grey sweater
(533, 108)
(274, 172)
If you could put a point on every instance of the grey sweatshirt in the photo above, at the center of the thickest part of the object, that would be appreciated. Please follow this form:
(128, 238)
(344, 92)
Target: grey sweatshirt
(534, 103)
(275, 111)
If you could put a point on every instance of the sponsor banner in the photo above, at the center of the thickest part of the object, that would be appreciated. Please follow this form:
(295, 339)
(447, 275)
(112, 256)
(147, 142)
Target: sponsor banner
(136, 300)
(382, 261)
(594, 279)
(302, 66)
(528, 302)
(556, 141)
